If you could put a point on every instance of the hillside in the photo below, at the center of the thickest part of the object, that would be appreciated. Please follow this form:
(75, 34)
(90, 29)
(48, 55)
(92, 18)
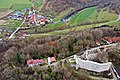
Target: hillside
(15, 53)
(61, 5)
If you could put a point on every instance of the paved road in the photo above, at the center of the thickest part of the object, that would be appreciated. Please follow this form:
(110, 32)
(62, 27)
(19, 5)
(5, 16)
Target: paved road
(12, 35)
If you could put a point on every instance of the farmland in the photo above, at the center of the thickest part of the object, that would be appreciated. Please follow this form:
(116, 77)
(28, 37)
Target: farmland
(17, 4)
(9, 3)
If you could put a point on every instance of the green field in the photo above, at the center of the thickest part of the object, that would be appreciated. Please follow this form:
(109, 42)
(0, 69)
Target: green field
(102, 15)
(52, 26)
(18, 4)
(11, 25)
(75, 20)
(115, 24)
(92, 15)
(9, 3)
(86, 15)
(81, 16)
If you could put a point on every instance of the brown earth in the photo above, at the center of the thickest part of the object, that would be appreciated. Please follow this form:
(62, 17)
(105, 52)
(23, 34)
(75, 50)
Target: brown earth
(5, 13)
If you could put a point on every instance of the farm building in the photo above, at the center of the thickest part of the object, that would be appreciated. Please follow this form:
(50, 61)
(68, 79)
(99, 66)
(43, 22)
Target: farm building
(51, 59)
(113, 39)
(32, 63)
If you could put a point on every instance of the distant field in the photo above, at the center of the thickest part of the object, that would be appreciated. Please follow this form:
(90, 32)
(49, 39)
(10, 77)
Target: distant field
(18, 4)
(92, 15)
(9, 3)
(86, 15)
(102, 15)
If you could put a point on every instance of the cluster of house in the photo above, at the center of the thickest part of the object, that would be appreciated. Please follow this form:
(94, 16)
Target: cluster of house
(32, 62)
(31, 18)
(36, 19)
(18, 15)
(108, 40)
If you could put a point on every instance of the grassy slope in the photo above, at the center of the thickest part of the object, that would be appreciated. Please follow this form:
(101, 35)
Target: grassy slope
(75, 20)
(82, 15)
(116, 24)
(86, 15)
(102, 15)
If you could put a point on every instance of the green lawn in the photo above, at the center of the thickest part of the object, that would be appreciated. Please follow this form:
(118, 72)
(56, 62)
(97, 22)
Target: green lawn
(81, 16)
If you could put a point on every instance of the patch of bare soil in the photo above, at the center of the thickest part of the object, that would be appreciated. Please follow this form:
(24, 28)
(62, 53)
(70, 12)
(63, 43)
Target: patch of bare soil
(2, 22)
(5, 13)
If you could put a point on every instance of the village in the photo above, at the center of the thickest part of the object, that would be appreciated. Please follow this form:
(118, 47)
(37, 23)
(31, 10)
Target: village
(30, 19)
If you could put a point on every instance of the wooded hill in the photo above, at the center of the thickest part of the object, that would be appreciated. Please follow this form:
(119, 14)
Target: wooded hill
(61, 5)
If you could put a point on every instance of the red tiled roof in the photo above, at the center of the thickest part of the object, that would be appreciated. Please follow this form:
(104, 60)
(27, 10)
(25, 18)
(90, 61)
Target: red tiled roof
(113, 39)
(32, 18)
(35, 61)
(52, 59)
(43, 20)
(98, 43)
